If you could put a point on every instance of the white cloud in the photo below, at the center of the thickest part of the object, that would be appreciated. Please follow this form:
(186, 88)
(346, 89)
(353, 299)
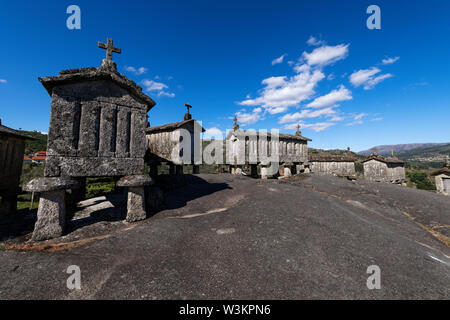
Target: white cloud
(167, 94)
(137, 71)
(326, 55)
(312, 41)
(159, 87)
(278, 60)
(357, 78)
(317, 127)
(358, 119)
(151, 85)
(330, 99)
(307, 113)
(279, 93)
(331, 76)
(390, 60)
(337, 118)
(366, 77)
(283, 92)
(246, 118)
(377, 119)
(213, 132)
(3, 81)
(373, 82)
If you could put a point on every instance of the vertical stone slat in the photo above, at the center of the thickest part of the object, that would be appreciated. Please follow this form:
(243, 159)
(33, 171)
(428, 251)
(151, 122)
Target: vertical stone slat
(137, 138)
(123, 127)
(89, 129)
(60, 135)
(107, 139)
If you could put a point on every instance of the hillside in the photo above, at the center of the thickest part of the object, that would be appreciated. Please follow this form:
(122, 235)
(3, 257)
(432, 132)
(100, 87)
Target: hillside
(387, 149)
(32, 146)
(426, 154)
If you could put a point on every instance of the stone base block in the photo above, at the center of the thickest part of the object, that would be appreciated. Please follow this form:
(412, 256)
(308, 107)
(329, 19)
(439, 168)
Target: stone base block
(51, 215)
(136, 195)
(136, 204)
(287, 172)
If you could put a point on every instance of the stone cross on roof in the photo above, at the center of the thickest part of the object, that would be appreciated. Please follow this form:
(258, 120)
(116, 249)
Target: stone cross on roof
(235, 125)
(109, 48)
(298, 133)
(187, 116)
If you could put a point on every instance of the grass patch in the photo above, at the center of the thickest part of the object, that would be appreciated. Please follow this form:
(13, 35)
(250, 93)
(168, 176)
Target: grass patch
(96, 187)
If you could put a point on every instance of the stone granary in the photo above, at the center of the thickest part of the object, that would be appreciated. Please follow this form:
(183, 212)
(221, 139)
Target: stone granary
(253, 148)
(382, 169)
(97, 129)
(162, 142)
(442, 178)
(12, 148)
(335, 165)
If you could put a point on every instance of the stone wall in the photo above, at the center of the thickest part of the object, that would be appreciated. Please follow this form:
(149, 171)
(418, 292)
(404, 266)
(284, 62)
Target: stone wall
(333, 168)
(289, 150)
(96, 129)
(384, 172)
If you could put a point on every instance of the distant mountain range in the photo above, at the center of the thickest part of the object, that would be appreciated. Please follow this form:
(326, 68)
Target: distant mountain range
(403, 148)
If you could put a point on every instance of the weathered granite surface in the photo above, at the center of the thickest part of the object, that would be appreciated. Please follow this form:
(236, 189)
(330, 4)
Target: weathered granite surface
(51, 216)
(136, 204)
(139, 180)
(50, 184)
(97, 123)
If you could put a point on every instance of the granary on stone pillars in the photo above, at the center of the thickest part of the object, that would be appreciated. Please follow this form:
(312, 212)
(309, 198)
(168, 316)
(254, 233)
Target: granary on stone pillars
(442, 178)
(246, 147)
(97, 129)
(12, 148)
(176, 144)
(384, 169)
(334, 165)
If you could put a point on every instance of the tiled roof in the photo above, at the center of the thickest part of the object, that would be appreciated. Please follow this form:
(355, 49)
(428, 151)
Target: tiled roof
(8, 131)
(170, 126)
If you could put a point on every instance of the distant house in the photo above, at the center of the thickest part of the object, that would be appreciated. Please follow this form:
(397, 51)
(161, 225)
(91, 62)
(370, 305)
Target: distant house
(335, 165)
(384, 169)
(27, 159)
(442, 178)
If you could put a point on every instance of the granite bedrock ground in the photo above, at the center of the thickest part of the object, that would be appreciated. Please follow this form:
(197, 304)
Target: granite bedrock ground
(233, 237)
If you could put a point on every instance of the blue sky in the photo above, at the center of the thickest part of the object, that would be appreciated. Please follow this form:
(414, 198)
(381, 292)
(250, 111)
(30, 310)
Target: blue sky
(272, 63)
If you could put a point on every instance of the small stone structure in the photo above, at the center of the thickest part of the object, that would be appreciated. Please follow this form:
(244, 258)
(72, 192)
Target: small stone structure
(335, 165)
(97, 129)
(442, 178)
(12, 148)
(382, 169)
(162, 144)
(247, 148)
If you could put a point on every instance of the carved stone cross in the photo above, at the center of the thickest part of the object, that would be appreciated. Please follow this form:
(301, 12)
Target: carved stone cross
(188, 106)
(298, 130)
(235, 126)
(109, 48)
